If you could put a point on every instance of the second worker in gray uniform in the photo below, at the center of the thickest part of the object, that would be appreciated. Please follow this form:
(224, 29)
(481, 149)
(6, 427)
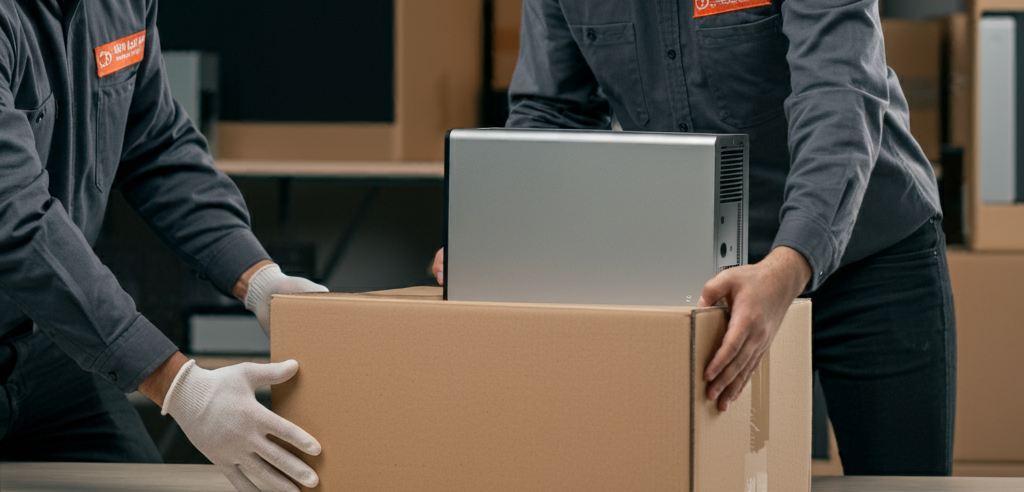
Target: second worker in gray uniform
(844, 205)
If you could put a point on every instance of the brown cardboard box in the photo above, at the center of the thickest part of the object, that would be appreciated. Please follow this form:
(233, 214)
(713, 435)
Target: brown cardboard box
(913, 49)
(987, 292)
(959, 124)
(507, 19)
(409, 392)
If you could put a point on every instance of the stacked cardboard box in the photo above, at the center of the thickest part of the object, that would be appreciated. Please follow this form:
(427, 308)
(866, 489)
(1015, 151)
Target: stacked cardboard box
(913, 49)
(989, 424)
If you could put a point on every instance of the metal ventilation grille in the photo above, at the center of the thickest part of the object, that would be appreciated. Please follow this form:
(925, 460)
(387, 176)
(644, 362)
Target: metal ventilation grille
(739, 238)
(730, 183)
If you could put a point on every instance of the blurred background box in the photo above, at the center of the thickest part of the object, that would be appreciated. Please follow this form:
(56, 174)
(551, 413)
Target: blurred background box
(227, 334)
(194, 82)
(913, 49)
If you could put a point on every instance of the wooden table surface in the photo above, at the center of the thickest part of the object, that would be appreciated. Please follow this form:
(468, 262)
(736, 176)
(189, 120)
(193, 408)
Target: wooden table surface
(916, 484)
(117, 477)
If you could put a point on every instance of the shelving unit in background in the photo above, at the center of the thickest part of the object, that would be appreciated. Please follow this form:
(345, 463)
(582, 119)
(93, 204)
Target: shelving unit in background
(990, 227)
(437, 86)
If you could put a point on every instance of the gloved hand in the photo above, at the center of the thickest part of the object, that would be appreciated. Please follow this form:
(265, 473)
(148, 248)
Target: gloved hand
(268, 281)
(219, 413)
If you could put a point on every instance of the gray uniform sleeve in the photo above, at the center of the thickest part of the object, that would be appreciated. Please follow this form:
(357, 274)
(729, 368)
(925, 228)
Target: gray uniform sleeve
(552, 86)
(168, 177)
(840, 96)
(47, 266)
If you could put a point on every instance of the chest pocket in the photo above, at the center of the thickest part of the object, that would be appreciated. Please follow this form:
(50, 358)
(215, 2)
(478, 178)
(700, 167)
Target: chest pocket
(747, 70)
(111, 113)
(611, 52)
(42, 121)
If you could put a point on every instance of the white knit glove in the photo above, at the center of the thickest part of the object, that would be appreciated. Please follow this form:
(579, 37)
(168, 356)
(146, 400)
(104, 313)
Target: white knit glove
(219, 413)
(268, 281)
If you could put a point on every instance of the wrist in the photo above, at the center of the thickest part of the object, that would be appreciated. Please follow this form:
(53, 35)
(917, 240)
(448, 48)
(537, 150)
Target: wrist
(261, 283)
(790, 264)
(241, 288)
(157, 384)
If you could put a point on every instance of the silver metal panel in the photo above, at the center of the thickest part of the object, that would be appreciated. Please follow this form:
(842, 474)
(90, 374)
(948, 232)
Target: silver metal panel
(581, 216)
(997, 116)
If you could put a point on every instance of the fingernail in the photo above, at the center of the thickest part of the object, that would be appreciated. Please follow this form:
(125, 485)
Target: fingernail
(700, 302)
(440, 278)
(726, 407)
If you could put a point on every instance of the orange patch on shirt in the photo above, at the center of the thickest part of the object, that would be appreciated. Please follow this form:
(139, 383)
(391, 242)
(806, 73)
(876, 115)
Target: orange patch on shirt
(704, 8)
(116, 55)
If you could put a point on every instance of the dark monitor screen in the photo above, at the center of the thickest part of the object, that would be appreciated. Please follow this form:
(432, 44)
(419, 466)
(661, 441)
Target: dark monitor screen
(284, 61)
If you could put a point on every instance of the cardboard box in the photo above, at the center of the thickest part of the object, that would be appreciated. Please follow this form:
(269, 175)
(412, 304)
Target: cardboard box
(409, 392)
(505, 38)
(913, 49)
(960, 114)
(987, 290)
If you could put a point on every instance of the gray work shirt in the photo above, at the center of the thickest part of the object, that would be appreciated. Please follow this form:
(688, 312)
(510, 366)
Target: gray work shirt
(835, 173)
(67, 136)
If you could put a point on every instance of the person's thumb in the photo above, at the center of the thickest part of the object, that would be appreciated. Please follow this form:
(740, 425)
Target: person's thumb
(714, 290)
(299, 285)
(269, 374)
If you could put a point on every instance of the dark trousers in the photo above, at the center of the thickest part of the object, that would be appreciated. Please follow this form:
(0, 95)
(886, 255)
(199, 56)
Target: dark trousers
(885, 350)
(52, 410)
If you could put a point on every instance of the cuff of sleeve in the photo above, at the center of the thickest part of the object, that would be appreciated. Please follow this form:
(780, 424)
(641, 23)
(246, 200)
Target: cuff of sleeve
(811, 238)
(134, 355)
(236, 254)
(188, 393)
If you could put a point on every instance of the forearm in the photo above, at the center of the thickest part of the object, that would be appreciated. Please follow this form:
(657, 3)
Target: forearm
(840, 95)
(791, 268)
(159, 381)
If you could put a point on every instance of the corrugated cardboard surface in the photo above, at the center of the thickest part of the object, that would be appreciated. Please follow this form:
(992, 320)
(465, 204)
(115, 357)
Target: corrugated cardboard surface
(407, 392)
(987, 292)
(913, 49)
(791, 382)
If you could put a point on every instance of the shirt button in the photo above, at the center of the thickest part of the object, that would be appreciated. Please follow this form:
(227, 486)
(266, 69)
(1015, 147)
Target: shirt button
(671, 54)
(112, 375)
(683, 127)
(591, 35)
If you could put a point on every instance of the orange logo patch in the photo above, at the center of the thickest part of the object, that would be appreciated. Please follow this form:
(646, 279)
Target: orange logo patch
(116, 55)
(704, 8)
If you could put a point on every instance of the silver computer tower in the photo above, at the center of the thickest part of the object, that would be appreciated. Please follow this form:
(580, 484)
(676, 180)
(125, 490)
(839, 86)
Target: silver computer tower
(595, 217)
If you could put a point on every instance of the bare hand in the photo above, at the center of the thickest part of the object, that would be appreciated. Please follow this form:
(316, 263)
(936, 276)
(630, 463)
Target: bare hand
(438, 268)
(759, 296)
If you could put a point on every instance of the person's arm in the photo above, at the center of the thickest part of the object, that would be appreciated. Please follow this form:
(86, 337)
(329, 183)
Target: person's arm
(47, 266)
(168, 177)
(552, 86)
(835, 113)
